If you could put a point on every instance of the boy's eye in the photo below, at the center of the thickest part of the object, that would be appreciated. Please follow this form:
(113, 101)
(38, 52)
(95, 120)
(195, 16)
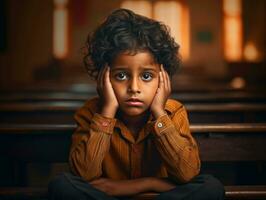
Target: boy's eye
(121, 76)
(147, 76)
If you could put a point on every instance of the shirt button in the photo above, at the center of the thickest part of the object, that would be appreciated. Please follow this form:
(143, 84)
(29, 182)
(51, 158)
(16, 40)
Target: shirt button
(160, 125)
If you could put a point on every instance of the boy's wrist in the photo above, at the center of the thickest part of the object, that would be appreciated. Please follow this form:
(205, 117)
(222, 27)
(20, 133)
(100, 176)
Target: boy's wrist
(152, 184)
(160, 185)
(158, 113)
(146, 184)
(108, 112)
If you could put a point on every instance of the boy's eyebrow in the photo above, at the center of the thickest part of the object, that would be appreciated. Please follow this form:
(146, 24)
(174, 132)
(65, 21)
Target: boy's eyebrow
(125, 68)
(148, 68)
(119, 68)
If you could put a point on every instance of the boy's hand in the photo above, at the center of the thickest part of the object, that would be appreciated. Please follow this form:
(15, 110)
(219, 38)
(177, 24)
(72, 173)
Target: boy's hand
(115, 187)
(132, 186)
(106, 93)
(162, 94)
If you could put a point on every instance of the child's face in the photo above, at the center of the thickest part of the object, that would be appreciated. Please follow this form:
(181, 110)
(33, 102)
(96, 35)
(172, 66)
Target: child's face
(134, 76)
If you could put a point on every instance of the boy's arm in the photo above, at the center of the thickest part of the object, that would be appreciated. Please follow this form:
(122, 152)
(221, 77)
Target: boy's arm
(176, 145)
(132, 186)
(90, 143)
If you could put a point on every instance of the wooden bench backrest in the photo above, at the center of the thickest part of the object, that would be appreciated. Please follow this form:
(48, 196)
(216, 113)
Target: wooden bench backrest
(63, 112)
(220, 142)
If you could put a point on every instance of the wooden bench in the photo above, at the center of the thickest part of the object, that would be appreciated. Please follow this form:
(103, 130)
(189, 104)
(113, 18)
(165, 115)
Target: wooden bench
(224, 143)
(24, 143)
(63, 112)
(231, 193)
(185, 97)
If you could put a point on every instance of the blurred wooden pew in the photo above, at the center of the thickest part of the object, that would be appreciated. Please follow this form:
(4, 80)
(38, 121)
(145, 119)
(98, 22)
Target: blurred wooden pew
(63, 112)
(184, 97)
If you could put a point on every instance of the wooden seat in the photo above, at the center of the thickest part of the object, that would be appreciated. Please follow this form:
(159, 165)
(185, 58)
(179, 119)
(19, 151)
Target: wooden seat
(246, 192)
(231, 193)
(23, 192)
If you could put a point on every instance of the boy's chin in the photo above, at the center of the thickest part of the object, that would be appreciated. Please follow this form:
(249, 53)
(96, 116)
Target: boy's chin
(134, 112)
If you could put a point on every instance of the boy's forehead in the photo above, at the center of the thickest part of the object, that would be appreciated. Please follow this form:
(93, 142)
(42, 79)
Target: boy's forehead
(142, 59)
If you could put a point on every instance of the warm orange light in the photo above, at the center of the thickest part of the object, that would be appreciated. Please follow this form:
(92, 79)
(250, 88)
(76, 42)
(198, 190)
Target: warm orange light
(238, 83)
(185, 33)
(60, 3)
(232, 30)
(176, 16)
(232, 7)
(251, 52)
(60, 27)
(139, 7)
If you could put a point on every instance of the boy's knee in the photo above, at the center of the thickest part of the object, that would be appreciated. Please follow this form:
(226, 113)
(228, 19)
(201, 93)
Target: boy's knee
(61, 188)
(57, 184)
(213, 189)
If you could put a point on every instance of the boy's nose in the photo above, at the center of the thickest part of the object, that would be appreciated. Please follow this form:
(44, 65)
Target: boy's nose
(134, 86)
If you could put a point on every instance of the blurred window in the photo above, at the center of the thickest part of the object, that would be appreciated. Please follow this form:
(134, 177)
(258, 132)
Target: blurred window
(60, 29)
(173, 13)
(233, 35)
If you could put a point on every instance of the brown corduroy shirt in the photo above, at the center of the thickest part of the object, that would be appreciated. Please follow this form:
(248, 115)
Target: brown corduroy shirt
(104, 147)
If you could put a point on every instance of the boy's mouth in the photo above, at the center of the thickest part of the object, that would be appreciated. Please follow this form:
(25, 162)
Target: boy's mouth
(134, 102)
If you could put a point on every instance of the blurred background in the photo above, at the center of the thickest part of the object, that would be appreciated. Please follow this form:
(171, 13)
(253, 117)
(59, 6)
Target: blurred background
(222, 41)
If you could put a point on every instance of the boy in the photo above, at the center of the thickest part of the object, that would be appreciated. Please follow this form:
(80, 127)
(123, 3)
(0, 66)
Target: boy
(133, 139)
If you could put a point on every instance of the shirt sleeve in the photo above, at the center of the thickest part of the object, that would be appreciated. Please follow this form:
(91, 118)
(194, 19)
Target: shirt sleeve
(90, 143)
(176, 146)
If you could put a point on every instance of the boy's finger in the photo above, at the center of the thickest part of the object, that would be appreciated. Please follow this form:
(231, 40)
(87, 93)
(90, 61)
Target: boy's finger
(161, 67)
(107, 76)
(161, 74)
(168, 82)
(97, 181)
(103, 76)
(161, 79)
(164, 78)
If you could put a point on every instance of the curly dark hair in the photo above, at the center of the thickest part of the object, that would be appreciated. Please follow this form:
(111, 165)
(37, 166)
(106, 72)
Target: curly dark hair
(126, 31)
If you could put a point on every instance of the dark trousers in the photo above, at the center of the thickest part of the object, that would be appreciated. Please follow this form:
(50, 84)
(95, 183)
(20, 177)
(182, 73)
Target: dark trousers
(69, 187)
